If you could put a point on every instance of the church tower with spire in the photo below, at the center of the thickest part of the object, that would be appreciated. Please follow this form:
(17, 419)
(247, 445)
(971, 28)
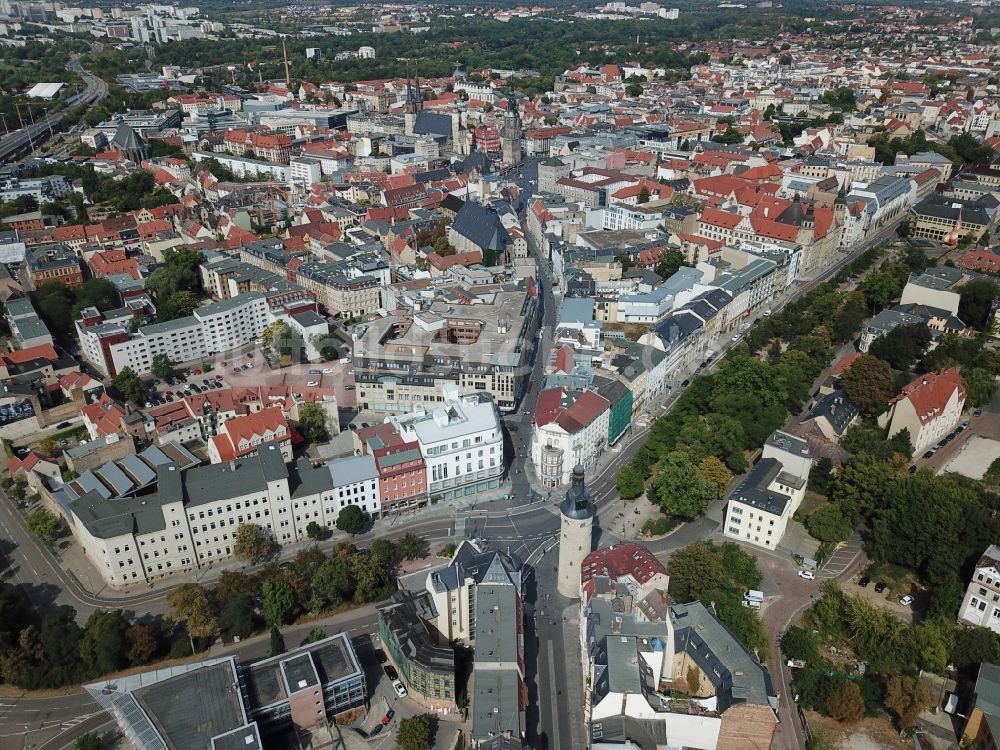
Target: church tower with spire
(576, 529)
(412, 106)
(510, 131)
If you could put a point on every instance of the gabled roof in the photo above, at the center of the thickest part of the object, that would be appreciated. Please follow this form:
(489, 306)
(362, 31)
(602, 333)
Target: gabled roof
(929, 394)
(481, 226)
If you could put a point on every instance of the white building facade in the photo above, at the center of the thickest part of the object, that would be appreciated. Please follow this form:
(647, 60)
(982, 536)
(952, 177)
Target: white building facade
(461, 441)
(981, 604)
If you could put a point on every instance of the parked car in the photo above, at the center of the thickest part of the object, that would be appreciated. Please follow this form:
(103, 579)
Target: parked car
(906, 601)
(380, 655)
(977, 413)
(348, 387)
(865, 580)
(314, 372)
(63, 425)
(807, 574)
(376, 730)
(398, 687)
(327, 370)
(312, 383)
(218, 378)
(880, 587)
(928, 454)
(390, 672)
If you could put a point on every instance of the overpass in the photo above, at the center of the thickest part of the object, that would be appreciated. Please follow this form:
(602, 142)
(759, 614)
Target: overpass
(20, 142)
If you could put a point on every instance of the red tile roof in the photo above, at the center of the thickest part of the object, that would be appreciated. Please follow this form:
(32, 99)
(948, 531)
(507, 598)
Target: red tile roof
(622, 560)
(42, 351)
(929, 394)
(241, 436)
(573, 418)
(844, 364)
(719, 218)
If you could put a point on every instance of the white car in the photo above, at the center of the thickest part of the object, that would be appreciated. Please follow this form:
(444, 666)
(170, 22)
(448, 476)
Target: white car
(398, 687)
(906, 601)
(807, 574)
(327, 370)
(312, 383)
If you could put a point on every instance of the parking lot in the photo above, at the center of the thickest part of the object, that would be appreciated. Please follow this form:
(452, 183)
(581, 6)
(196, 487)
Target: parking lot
(386, 707)
(985, 423)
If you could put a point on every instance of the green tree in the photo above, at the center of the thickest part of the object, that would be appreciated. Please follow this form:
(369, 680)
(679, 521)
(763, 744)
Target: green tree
(180, 272)
(280, 603)
(630, 482)
(980, 385)
(103, 646)
(670, 263)
(827, 523)
(312, 423)
(973, 646)
(800, 643)
(846, 704)
(190, 602)
(731, 136)
(99, 293)
(130, 385)
(334, 580)
(55, 303)
(679, 488)
(902, 346)
(179, 304)
(275, 334)
(881, 288)
(411, 546)
(314, 531)
(868, 383)
(162, 366)
(643, 196)
(976, 301)
(93, 741)
(277, 642)
(43, 523)
(351, 520)
(415, 733)
(633, 90)
(694, 570)
(251, 543)
(143, 643)
(237, 615)
(717, 474)
(821, 477)
(992, 476)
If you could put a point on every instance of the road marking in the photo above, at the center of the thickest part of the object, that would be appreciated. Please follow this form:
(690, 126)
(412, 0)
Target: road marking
(554, 706)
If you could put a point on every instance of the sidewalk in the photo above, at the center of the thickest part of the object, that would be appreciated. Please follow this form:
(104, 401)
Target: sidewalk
(74, 562)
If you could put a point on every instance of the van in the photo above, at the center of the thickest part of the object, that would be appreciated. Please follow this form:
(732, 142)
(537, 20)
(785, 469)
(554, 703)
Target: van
(753, 596)
(750, 604)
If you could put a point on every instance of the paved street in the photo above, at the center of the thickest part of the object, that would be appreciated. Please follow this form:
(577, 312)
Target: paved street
(54, 722)
(527, 526)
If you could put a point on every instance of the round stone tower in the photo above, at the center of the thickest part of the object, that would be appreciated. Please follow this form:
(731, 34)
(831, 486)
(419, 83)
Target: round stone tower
(577, 515)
